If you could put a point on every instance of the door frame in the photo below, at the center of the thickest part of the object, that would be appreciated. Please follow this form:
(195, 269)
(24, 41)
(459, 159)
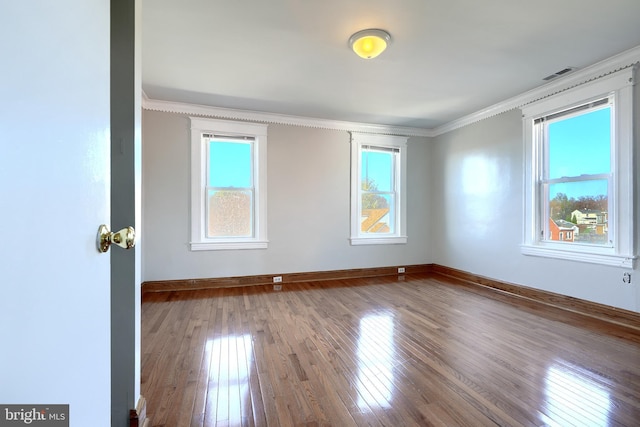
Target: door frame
(126, 167)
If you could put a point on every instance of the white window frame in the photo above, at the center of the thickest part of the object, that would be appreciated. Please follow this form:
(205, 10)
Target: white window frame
(257, 131)
(621, 194)
(358, 140)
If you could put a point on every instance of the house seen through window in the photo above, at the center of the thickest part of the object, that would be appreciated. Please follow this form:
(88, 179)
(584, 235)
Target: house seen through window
(577, 172)
(579, 179)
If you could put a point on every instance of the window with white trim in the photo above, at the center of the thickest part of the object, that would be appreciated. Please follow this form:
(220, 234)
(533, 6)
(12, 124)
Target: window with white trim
(579, 173)
(378, 189)
(228, 185)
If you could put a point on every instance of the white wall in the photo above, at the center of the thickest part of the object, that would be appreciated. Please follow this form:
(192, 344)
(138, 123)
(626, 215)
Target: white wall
(308, 206)
(477, 172)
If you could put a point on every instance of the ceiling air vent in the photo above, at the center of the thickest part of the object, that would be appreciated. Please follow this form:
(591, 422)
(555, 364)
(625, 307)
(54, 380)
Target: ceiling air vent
(560, 73)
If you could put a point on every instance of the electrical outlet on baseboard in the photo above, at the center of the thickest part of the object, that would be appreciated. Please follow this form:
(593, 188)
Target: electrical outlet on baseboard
(277, 279)
(400, 269)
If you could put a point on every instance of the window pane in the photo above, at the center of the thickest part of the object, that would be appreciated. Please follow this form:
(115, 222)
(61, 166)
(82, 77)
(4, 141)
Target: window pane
(230, 164)
(377, 170)
(580, 144)
(229, 213)
(377, 214)
(580, 208)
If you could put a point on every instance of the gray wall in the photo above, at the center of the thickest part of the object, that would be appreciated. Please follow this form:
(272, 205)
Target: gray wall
(477, 175)
(308, 206)
(465, 210)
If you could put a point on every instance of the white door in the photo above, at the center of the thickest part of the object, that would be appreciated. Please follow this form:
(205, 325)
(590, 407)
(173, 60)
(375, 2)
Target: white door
(54, 193)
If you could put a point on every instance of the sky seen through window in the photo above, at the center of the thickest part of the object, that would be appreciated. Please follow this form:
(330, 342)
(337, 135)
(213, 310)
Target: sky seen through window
(580, 145)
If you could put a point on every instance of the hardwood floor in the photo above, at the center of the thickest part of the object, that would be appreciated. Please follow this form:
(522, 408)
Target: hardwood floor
(415, 351)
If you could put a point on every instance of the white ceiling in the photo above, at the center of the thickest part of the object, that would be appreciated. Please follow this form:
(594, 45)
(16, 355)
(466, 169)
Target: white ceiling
(447, 58)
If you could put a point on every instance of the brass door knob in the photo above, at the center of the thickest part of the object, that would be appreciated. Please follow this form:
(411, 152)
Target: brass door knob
(125, 238)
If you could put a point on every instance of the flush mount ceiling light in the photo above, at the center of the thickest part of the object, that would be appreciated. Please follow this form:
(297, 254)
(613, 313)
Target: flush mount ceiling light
(368, 44)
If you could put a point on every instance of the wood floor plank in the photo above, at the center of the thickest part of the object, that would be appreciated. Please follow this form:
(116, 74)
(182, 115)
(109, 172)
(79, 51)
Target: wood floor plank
(423, 351)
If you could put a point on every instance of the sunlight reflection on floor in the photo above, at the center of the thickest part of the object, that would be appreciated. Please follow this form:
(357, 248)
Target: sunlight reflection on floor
(231, 358)
(573, 398)
(376, 355)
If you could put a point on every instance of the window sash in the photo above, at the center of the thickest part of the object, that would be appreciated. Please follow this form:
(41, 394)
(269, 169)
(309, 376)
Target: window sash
(211, 229)
(209, 140)
(543, 137)
(545, 234)
(544, 183)
(374, 222)
(392, 193)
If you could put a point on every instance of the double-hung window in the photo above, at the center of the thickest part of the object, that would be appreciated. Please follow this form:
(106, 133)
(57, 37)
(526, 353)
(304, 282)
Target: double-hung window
(228, 185)
(579, 173)
(378, 194)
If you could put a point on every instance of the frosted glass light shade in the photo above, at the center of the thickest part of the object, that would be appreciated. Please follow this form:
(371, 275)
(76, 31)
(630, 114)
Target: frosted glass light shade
(368, 44)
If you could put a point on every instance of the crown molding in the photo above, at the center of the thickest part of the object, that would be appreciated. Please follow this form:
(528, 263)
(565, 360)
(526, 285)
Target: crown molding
(603, 68)
(600, 69)
(281, 119)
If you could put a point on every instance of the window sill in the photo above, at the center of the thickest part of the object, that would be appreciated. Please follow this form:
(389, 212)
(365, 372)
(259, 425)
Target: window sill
(614, 260)
(398, 240)
(225, 246)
